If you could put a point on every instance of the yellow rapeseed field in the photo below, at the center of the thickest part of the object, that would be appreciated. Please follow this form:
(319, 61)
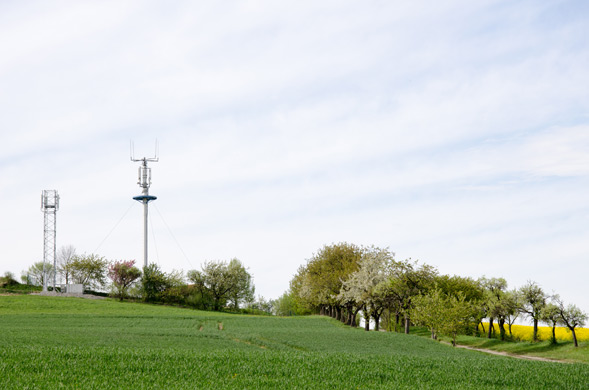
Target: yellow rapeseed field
(525, 332)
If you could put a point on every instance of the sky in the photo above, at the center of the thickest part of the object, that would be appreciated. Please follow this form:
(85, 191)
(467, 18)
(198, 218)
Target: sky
(455, 133)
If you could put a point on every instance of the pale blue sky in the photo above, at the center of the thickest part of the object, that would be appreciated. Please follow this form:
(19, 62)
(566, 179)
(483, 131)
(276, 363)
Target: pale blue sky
(452, 132)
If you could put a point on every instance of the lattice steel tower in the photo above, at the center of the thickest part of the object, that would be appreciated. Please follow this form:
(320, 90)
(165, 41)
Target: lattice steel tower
(49, 206)
(144, 182)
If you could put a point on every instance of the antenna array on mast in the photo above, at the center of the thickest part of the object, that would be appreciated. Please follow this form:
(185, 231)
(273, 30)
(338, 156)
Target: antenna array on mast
(144, 182)
(49, 206)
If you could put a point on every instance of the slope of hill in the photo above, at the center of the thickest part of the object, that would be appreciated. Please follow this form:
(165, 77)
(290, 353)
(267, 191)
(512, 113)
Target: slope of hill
(75, 343)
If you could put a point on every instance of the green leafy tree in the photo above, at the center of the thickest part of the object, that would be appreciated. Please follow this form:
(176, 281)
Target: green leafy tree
(37, 274)
(407, 280)
(284, 305)
(299, 300)
(458, 285)
(550, 314)
(448, 314)
(430, 311)
(533, 300)
(457, 315)
(156, 285)
(288, 305)
(123, 274)
(473, 292)
(514, 303)
(298, 304)
(262, 305)
(175, 291)
(243, 286)
(324, 275)
(496, 301)
(89, 270)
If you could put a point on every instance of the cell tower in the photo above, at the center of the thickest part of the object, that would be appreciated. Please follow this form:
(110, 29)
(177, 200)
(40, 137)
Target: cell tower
(144, 182)
(49, 206)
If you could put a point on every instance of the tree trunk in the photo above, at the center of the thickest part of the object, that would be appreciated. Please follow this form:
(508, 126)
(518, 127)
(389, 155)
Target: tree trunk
(353, 323)
(407, 323)
(489, 335)
(376, 322)
(574, 337)
(553, 333)
(535, 329)
(510, 334)
(397, 320)
(366, 320)
(502, 328)
(338, 313)
(482, 326)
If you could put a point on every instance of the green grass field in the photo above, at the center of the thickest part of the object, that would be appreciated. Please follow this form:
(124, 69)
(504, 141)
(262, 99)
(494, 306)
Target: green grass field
(544, 349)
(48, 342)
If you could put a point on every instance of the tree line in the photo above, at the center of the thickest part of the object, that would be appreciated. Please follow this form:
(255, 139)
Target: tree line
(218, 285)
(343, 280)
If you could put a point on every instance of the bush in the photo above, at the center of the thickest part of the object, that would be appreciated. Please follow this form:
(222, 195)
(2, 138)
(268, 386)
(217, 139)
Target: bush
(8, 280)
(158, 286)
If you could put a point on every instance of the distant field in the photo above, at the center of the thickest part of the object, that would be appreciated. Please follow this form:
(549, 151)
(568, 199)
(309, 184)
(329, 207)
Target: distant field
(50, 342)
(526, 332)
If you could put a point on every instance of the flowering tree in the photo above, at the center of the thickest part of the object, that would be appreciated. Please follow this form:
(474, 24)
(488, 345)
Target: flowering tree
(224, 282)
(123, 274)
(571, 316)
(365, 287)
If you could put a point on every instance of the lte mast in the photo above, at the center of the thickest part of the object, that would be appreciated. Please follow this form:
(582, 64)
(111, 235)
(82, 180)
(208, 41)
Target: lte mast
(49, 206)
(144, 182)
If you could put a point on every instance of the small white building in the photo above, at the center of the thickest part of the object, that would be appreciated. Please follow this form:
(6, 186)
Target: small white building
(74, 289)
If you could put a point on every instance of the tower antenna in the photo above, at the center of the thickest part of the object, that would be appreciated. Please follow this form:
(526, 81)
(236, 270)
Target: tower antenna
(49, 206)
(144, 182)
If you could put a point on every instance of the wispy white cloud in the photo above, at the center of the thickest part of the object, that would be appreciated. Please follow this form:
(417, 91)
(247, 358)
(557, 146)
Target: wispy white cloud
(453, 132)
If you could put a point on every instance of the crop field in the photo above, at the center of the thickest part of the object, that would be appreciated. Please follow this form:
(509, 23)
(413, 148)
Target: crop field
(526, 332)
(48, 342)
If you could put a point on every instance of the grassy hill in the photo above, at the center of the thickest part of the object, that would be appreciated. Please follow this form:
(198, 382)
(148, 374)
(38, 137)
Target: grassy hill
(11, 286)
(49, 342)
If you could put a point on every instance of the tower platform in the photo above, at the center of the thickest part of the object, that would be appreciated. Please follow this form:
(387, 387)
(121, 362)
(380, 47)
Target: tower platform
(141, 198)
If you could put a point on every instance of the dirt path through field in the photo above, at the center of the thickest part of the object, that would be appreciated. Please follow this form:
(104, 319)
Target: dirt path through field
(499, 353)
